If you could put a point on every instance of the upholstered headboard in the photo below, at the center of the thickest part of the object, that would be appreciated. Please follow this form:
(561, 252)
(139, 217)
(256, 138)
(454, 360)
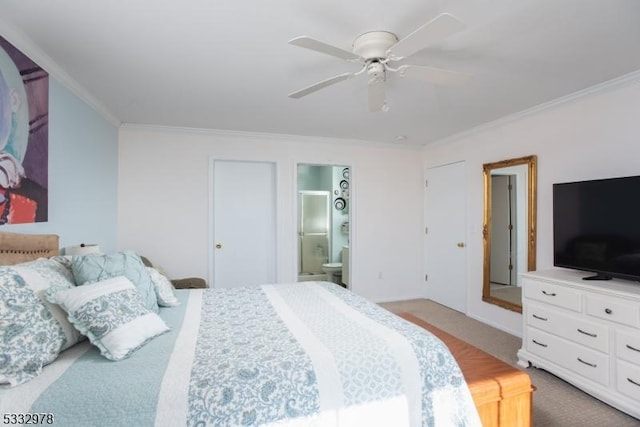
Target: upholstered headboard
(17, 247)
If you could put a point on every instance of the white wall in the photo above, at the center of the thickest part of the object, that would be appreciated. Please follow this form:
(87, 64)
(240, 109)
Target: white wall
(164, 197)
(587, 136)
(83, 158)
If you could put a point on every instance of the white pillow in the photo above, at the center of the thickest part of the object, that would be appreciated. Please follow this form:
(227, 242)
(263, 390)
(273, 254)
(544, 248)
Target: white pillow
(112, 314)
(163, 288)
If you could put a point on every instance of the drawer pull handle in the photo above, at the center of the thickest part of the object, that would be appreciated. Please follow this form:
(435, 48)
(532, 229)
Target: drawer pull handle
(540, 318)
(633, 382)
(633, 348)
(608, 310)
(593, 365)
(540, 344)
(549, 294)
(587, 333)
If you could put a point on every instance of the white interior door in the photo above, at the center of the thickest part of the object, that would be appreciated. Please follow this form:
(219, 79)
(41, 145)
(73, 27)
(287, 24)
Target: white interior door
(244, 209)
(445, 247)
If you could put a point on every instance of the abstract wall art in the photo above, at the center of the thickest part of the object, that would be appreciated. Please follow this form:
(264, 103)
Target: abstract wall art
(24, 138)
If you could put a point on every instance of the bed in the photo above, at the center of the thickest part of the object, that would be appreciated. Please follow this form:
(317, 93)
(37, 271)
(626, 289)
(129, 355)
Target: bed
(294, 354)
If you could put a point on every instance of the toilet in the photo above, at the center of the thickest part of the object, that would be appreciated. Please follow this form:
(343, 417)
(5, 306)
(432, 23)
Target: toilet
(334, 271)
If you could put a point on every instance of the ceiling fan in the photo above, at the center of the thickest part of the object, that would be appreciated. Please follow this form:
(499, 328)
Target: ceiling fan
(376, 50)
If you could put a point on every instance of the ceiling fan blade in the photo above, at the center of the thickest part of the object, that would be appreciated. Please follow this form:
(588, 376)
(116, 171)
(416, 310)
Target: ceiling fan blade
(434, 75)
(320, 85)
(434, 31)
(377, 96)
(318, 46)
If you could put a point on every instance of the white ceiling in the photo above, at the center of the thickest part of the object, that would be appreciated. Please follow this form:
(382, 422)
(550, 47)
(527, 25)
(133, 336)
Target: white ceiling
(226, 64)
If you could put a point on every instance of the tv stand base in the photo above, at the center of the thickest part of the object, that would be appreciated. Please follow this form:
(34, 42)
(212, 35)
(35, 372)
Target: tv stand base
(598, 276)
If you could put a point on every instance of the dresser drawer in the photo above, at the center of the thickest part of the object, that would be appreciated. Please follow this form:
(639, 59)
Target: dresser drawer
(628, 346)
(614, 309)
(628, 379)
(576, 329)
(588, 363)
(548, 293)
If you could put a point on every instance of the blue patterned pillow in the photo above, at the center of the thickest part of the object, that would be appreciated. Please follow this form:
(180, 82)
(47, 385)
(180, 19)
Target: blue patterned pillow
(112, 314)
(45, 273)
(30, 337)
(94, 268)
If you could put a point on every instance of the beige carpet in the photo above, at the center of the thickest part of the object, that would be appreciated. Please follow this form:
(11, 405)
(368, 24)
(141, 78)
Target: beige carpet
(555, 402)
(512, 294)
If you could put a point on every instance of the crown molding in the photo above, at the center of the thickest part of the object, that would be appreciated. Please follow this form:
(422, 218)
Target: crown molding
(29, 48)
(265, 135)
(597, 89)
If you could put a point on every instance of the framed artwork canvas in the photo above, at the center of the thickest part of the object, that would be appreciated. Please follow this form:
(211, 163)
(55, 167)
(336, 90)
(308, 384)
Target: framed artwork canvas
(24, 138)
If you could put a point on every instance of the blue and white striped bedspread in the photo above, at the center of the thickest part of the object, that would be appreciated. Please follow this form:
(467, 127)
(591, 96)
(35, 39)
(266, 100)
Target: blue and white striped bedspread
(284, 355)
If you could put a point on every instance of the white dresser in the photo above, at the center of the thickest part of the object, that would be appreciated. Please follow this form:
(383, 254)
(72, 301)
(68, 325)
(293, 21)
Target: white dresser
(587, 333)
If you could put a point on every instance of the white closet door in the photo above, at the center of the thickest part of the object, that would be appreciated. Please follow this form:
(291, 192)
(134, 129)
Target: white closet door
(445, 247)
(244, 206)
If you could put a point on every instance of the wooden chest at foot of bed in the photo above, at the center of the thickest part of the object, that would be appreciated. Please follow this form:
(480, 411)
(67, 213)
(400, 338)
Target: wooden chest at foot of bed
(501, 392)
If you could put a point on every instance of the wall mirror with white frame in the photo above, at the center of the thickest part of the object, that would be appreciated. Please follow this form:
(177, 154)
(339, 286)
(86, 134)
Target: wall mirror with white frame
(509, 231)
(323, 223)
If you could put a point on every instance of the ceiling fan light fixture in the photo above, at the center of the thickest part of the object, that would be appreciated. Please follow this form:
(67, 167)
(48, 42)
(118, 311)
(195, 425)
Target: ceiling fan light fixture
(376, 72)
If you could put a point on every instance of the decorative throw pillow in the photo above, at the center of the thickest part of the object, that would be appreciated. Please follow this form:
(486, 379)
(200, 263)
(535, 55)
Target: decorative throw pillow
(112, 314)
(94, 268)
(29, 335)
(42, 274)
(163, 287)
(65, 261)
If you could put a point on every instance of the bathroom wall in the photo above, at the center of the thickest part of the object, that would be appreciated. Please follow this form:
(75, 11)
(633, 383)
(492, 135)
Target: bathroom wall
(339, 238)
(314, 177)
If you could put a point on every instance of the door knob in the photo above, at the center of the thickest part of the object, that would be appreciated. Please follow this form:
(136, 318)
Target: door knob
(461, 244)
(218, 245)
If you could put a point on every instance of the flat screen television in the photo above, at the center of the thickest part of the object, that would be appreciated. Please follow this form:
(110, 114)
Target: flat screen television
(596, 227)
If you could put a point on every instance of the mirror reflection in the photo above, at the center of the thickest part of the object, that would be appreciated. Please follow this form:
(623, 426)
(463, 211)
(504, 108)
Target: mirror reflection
(323, 223)
(509, 229)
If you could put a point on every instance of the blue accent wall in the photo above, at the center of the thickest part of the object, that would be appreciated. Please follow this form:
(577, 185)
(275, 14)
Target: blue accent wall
(83, 174)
